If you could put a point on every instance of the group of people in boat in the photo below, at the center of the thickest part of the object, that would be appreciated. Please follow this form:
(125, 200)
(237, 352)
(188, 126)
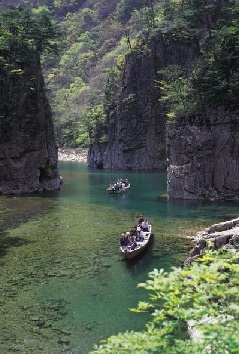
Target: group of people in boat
(129, 239)
(118, 185)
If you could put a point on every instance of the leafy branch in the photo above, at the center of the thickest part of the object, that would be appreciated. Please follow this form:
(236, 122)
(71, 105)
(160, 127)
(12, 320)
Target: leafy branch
(204, 295)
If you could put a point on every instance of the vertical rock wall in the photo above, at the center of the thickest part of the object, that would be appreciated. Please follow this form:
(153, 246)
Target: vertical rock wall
(204, 158)
(136, 131)
(137, 141)
(28, 153)
(136, 127)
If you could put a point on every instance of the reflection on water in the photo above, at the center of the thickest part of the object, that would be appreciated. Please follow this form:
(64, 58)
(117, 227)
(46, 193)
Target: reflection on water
(64, 283)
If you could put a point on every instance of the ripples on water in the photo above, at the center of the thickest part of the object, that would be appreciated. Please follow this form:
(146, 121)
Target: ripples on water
(64, 284)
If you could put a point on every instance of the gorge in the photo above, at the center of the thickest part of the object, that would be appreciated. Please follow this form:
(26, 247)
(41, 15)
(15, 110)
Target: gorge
(148, 86)
(198, 147)
(169, 103)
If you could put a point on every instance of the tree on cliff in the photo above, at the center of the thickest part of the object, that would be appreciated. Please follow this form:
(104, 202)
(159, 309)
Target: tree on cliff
(23, 33)
(211, 79)
(22, 30)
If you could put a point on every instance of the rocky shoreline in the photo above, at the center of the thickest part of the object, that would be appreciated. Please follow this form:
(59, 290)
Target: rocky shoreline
(224, 234)
(214, 237)
(71, 154)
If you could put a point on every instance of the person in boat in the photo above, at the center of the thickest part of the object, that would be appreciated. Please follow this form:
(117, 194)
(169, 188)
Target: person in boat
(127, 238)
(140, 220)
(111, 186)
(133, 230)
(122, 240)
(121, 183)
(145, 225)
(140, 234)
(116, 187)
(132, 242)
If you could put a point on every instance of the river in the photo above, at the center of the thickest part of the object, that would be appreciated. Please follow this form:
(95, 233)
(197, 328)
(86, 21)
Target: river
(64, 283)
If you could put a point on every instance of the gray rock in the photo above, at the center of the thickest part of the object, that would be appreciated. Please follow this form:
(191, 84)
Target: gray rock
(203, 158)
(216, 236)
(134, 134)
(28, 153)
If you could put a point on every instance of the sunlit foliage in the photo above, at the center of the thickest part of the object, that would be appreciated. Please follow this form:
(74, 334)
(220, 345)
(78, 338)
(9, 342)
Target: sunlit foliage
(95, 35)
(204, 296)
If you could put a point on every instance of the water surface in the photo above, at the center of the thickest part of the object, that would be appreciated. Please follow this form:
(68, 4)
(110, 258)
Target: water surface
(64, 284)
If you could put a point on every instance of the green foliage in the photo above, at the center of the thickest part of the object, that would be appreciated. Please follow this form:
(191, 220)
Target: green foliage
(205, 295)
(97, 34)
(218, 75)
(22, 31)
(77, 61)
(177, 91)
(212, 79)
(23, 35)
(94, 116)
(44, 31)
(89, 56)
(126, 8)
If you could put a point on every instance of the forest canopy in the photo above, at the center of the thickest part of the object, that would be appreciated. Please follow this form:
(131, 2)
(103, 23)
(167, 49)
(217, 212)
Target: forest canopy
(84, 79)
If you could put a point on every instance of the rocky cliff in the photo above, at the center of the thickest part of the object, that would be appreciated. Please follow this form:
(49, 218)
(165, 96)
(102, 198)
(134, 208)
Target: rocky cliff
(204, 157)
(202, 150)
(28, 153)
(135, 128)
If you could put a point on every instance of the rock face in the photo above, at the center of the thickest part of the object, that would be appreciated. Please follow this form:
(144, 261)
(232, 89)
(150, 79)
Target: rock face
(28, 153)
(216, 236)
(204, 157)
(135, 130)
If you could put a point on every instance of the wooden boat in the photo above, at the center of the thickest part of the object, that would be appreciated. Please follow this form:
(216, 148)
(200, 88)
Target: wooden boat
(122, 190)
(140, 247)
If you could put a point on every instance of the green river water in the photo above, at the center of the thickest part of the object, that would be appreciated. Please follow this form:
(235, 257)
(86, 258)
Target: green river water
(64, 283)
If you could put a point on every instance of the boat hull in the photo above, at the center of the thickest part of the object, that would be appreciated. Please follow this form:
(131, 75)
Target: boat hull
(135, 253)
(141, 246)
(112, 191)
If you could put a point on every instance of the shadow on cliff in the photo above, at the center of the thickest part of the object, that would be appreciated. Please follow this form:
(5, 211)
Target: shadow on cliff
(7, 242)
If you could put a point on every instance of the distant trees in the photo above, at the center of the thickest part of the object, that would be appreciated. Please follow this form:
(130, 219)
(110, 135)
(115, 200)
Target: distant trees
(125, 9)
